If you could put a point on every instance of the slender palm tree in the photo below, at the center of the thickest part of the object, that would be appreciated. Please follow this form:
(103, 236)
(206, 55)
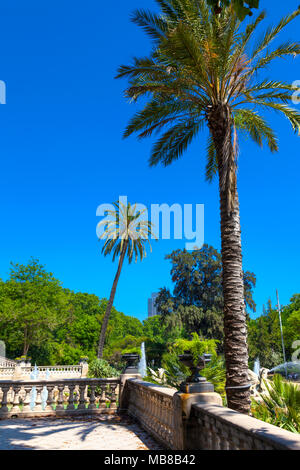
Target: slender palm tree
(126, 233)
(203, 70)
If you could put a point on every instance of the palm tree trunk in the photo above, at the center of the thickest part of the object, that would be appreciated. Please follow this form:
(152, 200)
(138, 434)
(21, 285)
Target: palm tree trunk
(235, 325)
(110, 303)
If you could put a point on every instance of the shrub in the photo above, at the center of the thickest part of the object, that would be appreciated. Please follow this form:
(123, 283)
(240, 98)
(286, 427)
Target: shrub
(280, 405)
(100, 368)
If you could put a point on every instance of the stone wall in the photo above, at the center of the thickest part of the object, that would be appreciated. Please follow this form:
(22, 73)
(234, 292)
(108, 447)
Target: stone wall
(183, 421)
(60, 397)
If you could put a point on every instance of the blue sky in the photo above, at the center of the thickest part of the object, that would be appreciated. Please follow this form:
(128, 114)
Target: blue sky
(62, 155)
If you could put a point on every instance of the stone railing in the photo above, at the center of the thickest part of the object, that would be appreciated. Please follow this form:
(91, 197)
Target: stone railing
(152, 406)
(7, 372)
(183, 421)
(55, 371)
(216, 427)
(23, 372)
(37, 398)
(4, 362)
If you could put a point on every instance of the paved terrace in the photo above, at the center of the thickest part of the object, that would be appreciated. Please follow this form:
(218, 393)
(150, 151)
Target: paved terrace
(81, 413)
(96, 433)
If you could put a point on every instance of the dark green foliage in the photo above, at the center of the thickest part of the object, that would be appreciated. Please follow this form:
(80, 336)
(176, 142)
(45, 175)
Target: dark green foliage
(158, 338)
(99, 368)
(53, 325)
(33, 304)
(176, 372)
(264, 337)
(197, 301)
(280, 405)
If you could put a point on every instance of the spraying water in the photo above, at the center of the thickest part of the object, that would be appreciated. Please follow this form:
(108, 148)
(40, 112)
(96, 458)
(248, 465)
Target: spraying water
(256, 367)
(45, 391)
(34, 375)
(142, 363)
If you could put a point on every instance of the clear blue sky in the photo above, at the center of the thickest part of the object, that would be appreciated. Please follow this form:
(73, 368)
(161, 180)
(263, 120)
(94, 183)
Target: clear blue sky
(62, 155)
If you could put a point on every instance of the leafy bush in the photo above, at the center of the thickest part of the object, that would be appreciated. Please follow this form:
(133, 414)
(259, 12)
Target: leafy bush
(280, 405)
(100, 368)
(215, 372)
(197, 346)
(175, 372)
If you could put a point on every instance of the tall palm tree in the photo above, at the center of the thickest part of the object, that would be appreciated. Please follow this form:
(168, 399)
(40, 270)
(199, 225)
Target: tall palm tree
(126, 233)
(203, 71)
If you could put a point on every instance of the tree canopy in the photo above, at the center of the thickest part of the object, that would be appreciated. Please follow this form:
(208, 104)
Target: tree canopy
(197, 299)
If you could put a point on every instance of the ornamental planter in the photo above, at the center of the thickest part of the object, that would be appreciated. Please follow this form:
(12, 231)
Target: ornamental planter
(195, 383)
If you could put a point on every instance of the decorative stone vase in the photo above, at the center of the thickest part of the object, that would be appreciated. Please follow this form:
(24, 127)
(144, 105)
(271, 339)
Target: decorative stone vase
(195, 383)
(83, 360)
(132, 360)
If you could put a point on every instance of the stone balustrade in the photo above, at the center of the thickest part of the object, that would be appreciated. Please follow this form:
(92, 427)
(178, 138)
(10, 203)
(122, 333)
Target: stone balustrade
(23, 372)
(6, 372)
(216, 427)
(152, 406)
(183, 421)
(61, 397)
(4, 362)
(179, 421)
(55, 371)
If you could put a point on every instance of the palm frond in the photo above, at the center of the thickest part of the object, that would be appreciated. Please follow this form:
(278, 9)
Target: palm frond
(156, 114)
(291, 114)
(154, 25)
(282, 51)
(258, 129)
(211, 164)
(171, 145)
(272, 32)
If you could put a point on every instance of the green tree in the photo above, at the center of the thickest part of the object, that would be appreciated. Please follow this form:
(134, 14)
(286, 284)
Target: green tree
(158, 337)
(197, 298)
(126, 232)
(264, 338)
(34, 304)
(78, 335)
(202, 71)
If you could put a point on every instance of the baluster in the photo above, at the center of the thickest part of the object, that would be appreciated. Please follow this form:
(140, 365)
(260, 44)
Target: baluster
(92, 405)
(38, 402)
(50, 399)
(224, 435)
(60, 398)
(102, 400)
(81, 405)
(26, 403)
(113, 396)
(16, 407)
(71, 405)
(5, 390)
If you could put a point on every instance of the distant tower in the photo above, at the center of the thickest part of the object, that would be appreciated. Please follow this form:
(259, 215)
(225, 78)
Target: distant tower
(152, 309)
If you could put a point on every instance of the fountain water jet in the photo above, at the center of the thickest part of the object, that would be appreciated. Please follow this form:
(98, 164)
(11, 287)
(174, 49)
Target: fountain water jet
(256, 367)
(34, 375)
(142, 364)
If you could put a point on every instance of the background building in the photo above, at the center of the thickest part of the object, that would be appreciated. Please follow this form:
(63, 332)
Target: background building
(152, 309)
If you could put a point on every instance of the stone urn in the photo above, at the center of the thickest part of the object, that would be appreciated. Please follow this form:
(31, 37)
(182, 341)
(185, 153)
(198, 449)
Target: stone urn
(195, 383)
(132, 360)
